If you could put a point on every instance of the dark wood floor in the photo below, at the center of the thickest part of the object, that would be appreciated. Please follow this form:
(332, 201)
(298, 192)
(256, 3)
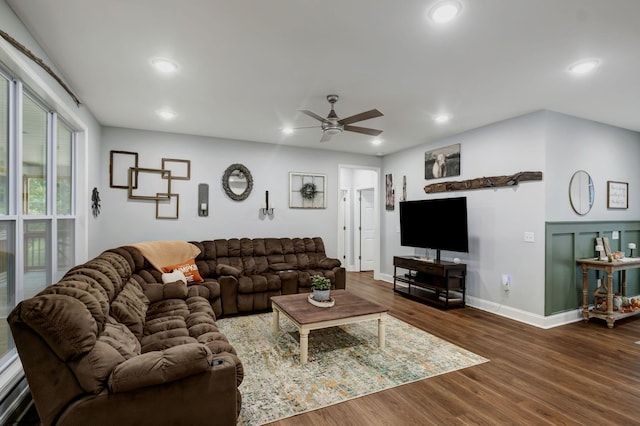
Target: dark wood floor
(577, 374)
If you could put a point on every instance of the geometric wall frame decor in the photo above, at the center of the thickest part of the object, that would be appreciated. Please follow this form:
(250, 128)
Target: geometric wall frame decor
(119, 164)
(168, 209)
(180, 169)
(149, 188)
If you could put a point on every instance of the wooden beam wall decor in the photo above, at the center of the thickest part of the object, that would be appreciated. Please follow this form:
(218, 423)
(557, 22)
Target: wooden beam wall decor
(483, 182)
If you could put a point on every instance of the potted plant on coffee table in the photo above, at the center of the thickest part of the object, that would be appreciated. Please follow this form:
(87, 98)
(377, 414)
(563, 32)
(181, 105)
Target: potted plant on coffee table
(321, 288)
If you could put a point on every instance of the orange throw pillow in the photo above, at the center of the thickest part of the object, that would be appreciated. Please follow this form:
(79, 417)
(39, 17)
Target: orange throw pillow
(188, 268)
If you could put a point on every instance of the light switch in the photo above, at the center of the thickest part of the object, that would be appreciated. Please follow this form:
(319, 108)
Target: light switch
(615, 235)
(529, 237)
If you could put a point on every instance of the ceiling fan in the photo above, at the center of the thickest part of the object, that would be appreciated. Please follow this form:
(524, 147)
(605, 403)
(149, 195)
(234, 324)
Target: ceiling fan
(333, 125)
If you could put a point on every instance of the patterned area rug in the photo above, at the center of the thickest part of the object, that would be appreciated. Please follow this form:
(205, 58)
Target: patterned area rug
(344, 363)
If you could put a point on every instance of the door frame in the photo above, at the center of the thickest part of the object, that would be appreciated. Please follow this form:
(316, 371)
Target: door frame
(344, 183)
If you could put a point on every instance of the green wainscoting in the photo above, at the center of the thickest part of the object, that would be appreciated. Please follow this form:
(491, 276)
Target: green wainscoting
(567, 241)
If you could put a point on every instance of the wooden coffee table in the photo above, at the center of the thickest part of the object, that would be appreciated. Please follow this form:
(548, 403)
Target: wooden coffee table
(348, 309)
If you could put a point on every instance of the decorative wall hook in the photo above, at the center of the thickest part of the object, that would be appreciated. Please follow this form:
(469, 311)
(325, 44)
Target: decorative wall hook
(267, 209)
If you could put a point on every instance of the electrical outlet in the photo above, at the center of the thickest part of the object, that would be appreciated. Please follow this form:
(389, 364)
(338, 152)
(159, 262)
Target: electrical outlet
(506, 282)
(615, 235)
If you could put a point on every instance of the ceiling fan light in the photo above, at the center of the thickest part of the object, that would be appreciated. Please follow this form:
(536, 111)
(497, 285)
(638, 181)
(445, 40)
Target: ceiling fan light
(332, 131)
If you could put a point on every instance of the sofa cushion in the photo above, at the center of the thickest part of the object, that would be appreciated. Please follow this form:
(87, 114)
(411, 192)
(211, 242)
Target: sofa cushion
(130, 307)
(160, 367)
(188, 268)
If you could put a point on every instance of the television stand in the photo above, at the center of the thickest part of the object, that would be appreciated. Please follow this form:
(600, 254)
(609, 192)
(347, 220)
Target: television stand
(439, 283)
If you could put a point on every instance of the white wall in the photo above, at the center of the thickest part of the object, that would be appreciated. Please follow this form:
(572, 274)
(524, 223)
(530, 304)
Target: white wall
(607, 153)
(125, 221)
(497, 218)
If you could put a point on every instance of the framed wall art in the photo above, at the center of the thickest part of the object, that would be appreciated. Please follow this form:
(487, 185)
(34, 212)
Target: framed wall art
(180, 169)
(307, 191)
(153, 184)
(167, 209)
(442, 162)
(617, 195)
(119, 164)
(390, 193)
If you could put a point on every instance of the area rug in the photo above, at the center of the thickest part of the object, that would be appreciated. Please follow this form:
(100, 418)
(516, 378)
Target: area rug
(344, 362)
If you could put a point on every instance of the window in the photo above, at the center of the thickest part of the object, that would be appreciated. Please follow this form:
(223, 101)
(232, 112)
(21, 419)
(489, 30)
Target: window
(37, 210)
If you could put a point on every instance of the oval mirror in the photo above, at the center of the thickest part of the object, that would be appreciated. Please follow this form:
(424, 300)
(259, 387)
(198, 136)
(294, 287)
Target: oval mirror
(237, 182)
(581, 192)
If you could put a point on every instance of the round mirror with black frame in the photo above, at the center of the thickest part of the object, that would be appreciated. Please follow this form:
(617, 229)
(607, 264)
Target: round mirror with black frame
(237, 182)
(581, 192)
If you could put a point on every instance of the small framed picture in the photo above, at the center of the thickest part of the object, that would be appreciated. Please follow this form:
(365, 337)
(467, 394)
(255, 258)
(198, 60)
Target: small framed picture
(617, 195)
(307, 191)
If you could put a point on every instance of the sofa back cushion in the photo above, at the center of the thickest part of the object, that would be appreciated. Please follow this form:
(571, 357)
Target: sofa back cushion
(62, 321)
(130, 307)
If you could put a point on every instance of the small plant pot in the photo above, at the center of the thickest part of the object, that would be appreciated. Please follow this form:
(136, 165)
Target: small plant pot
(322, 295)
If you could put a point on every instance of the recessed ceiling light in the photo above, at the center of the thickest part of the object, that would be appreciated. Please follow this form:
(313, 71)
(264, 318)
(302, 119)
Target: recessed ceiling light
(376, 142)
(441, 118)
(444, 11)
(166, 114)
(287, 130)
(164, 65)
(584, 66)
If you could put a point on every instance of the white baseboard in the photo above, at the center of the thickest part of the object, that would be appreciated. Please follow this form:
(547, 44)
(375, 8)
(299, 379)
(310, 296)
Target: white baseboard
(515, 314)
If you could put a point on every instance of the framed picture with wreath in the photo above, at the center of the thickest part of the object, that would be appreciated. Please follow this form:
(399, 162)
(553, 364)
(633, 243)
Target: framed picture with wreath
(307, 191)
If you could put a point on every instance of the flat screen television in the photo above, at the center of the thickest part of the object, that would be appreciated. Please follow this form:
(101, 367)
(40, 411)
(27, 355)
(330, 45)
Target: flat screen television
(439, 224)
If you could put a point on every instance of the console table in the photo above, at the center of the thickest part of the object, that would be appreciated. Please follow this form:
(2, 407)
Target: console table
(609, 267)
(440, 283)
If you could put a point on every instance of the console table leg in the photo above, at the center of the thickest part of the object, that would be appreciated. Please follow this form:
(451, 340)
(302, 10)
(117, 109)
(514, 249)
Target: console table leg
(610, 319)
(304, 345)
(585, 294)
(382, 331)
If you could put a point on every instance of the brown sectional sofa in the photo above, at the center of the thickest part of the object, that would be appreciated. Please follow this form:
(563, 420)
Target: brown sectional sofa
(110, 344)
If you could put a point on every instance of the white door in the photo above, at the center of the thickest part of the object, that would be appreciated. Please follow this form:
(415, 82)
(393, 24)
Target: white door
(367, 230)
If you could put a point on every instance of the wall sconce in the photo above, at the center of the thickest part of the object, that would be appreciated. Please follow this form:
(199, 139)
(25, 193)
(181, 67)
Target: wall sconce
(631, 246)
(203, 200)
(600, 251)
(266, 209)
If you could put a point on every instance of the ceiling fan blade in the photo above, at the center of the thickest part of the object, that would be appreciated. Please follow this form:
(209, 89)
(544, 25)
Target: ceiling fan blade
(366, 131)
(313, 115)
(325, 137)
(361, 117)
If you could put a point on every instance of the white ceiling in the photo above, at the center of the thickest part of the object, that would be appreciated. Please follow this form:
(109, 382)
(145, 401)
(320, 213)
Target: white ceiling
(247, 66)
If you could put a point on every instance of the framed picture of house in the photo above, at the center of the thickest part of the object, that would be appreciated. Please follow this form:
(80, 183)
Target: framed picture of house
(442, 162)
(307, 191)
(617, 195)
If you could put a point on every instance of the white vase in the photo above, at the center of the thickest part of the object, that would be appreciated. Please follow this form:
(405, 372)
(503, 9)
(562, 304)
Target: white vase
(322, 295)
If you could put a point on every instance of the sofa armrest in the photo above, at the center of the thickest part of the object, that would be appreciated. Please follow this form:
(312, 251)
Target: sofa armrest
(199, 399)
(329, 263)
(229, 294)
(157, 367)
